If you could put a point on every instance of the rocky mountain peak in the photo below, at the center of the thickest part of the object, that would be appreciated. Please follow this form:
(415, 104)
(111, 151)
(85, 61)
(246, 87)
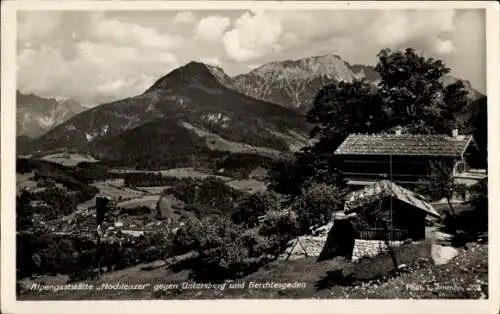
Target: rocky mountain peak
(293, 83)
(37, 115)
(191, 72)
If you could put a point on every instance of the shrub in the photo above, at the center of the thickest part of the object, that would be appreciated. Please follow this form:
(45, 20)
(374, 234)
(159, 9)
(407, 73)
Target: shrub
(279, 228)
(225, 250)
(256, 244)
(42, 253)
(215, 240)
(316, 205)
(187, 237)
(254, 205)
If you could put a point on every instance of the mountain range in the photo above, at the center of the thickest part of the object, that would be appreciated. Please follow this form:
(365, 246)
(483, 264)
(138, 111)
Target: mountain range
(36, 115)
(294, 83)
(183, 116)
(196, 112)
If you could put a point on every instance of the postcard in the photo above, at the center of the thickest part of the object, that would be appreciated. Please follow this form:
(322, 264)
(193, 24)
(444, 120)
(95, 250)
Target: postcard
(307, 156)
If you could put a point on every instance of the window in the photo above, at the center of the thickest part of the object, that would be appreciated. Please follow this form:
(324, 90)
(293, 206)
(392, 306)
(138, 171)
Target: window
(460, 167)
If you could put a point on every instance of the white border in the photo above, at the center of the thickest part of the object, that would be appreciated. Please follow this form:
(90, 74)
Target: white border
(8, 116)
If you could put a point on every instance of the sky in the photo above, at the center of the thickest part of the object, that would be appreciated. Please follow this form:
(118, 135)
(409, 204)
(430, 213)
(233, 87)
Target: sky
(95, 57)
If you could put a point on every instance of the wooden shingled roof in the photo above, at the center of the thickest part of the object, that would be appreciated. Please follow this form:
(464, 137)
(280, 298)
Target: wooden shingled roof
(404, 145)
(360, 199)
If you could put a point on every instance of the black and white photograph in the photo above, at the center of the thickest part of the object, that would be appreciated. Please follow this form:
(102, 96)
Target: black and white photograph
(199, 152)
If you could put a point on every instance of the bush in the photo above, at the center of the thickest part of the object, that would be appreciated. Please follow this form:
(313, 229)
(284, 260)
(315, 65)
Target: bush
(215, 240)
(316, 205)
(225, 250)
(256, 244)
(254, 205)
(186, 238)
(44, 253)
(279, 228)
(469, 222)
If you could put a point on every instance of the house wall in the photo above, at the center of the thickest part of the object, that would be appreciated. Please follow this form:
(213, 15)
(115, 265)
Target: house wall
(410, 218)
(370, 248)
(374, 167)
(404, 217)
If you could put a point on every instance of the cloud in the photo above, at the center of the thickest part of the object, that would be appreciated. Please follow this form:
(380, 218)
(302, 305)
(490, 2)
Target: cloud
(96, 56)
(262, 36)
(185, 17)
(132, 34)
(259, 33)
(94, 61)
(443, 47)
(393, 30)
(100, 71)
(33, 25)
(468, 60)
(211, 28)
(253, 36)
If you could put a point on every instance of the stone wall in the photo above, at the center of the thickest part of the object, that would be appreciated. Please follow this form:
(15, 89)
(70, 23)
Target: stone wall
(369, 248)
(308, 246)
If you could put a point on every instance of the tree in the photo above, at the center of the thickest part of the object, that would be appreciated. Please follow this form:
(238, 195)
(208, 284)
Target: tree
(285, 177)
(220, 254)
(312, 164)
(410, 94)
(316, 205)
(254, 205)
(455, 102)
(441, 184)
(342, 108)
(414, 93)
(339, 108)
(221, 249)
(186, 237)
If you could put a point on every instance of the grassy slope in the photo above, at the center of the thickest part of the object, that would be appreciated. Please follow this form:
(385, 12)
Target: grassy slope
(70, 160)
(463, 271)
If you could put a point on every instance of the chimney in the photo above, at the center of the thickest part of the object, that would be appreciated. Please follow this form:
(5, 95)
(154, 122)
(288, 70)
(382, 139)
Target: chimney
(398, 130)
(454, 132)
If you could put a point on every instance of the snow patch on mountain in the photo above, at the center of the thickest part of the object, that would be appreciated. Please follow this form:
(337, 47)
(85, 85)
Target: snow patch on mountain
(217, 118)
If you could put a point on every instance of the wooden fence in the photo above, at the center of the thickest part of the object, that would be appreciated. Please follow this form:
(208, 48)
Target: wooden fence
(379, 234)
